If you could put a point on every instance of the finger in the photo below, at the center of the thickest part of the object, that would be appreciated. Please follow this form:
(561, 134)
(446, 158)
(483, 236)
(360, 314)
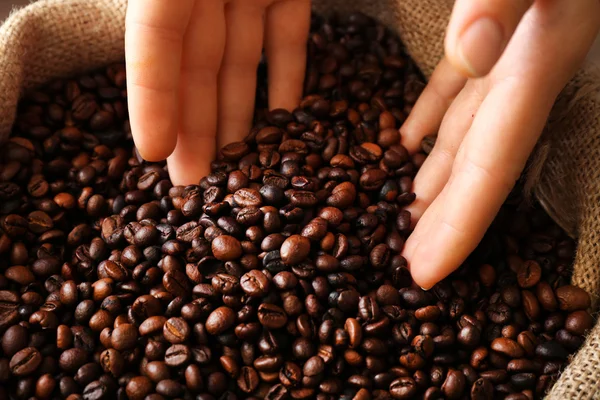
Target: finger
(287, 27)
(479, 31)
(423, 226)
(153, 45)
(427, 114)
(434, 173)
(486, 167)
(237, 78)
(203, 48)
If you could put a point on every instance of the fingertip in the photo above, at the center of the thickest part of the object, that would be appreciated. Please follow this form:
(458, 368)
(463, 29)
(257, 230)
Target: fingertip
(183, 173)
(480, 46)
(421, 279)
(158, 151)
(425, 273)
(155, 144)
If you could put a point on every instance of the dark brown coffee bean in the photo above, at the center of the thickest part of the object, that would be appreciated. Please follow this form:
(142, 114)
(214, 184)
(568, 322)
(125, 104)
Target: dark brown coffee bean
(139, 387)
(169, 388)
(403, 388)
(295, 249)
(454, 385)
(529, 274)
(247, 198)
(176, 330)
(226, 248)
(72, 359)
(482, 389)
(248, 380)
(546, 297)
(152, 325)
(112, 362)
(177, 355)
(14, 339)
(579, 322)
(25, 361)
(254, 283)
(157, 371)
(271, 316)
(507, 346)
(572, 298)
(220, 320)
(176, 283)
(551, 351)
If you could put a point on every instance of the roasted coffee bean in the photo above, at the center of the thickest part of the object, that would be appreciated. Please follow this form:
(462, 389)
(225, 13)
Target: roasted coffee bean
(176, 330)
(572, 298)
(295, 249)
(14, 339)
(220, 320)
(226, 248)
(271, 316)
(529, 274)
(25, 361)
(403, 388)
(254, 283)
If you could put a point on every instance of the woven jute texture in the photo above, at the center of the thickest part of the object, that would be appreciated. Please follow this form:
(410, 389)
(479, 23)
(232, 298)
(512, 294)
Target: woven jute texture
(60, 38)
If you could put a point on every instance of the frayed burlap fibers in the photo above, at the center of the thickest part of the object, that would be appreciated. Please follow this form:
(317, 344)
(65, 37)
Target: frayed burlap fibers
(60, 38)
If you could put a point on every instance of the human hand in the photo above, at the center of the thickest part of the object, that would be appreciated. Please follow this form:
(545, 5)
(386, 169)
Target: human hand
(191, 73)
(487, 124)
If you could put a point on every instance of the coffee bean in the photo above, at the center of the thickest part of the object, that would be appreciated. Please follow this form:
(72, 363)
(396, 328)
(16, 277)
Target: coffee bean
(403, 388)
(72, 359)
(454, 384)
(14, 339)
(254, 283)
(138, 388)
(529, 274)
(177, 355)
(248, 380)
(226, 248)
(271, 316)
(295, 249)
(25, 361)
(482, 389)
(508, 347)
(551, 350)
(572, 298)
(579, 322)
(169, 388)
(152, 325)
(176, 330)
(176, 283)
(220, 320)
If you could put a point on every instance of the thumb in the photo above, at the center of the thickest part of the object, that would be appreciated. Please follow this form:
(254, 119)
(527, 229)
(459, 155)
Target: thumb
(479, 31)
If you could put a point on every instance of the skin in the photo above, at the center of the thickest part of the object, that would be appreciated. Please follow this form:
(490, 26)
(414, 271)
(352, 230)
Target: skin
(191, 76)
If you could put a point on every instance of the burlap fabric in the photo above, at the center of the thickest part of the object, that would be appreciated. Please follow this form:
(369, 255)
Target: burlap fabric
(60, 38)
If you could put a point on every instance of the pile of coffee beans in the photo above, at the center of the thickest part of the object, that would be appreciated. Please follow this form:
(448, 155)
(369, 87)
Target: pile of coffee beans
(279, 276)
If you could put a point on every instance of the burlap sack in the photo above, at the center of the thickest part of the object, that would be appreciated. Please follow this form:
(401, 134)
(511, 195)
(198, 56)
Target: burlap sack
(60, 38)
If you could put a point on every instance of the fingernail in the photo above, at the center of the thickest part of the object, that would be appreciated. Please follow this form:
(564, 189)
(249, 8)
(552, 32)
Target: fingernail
(480, 46)
(425, 290)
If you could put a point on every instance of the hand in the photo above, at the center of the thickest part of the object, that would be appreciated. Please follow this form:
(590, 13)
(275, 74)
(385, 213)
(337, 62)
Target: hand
(517, 56)
(191, 73)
